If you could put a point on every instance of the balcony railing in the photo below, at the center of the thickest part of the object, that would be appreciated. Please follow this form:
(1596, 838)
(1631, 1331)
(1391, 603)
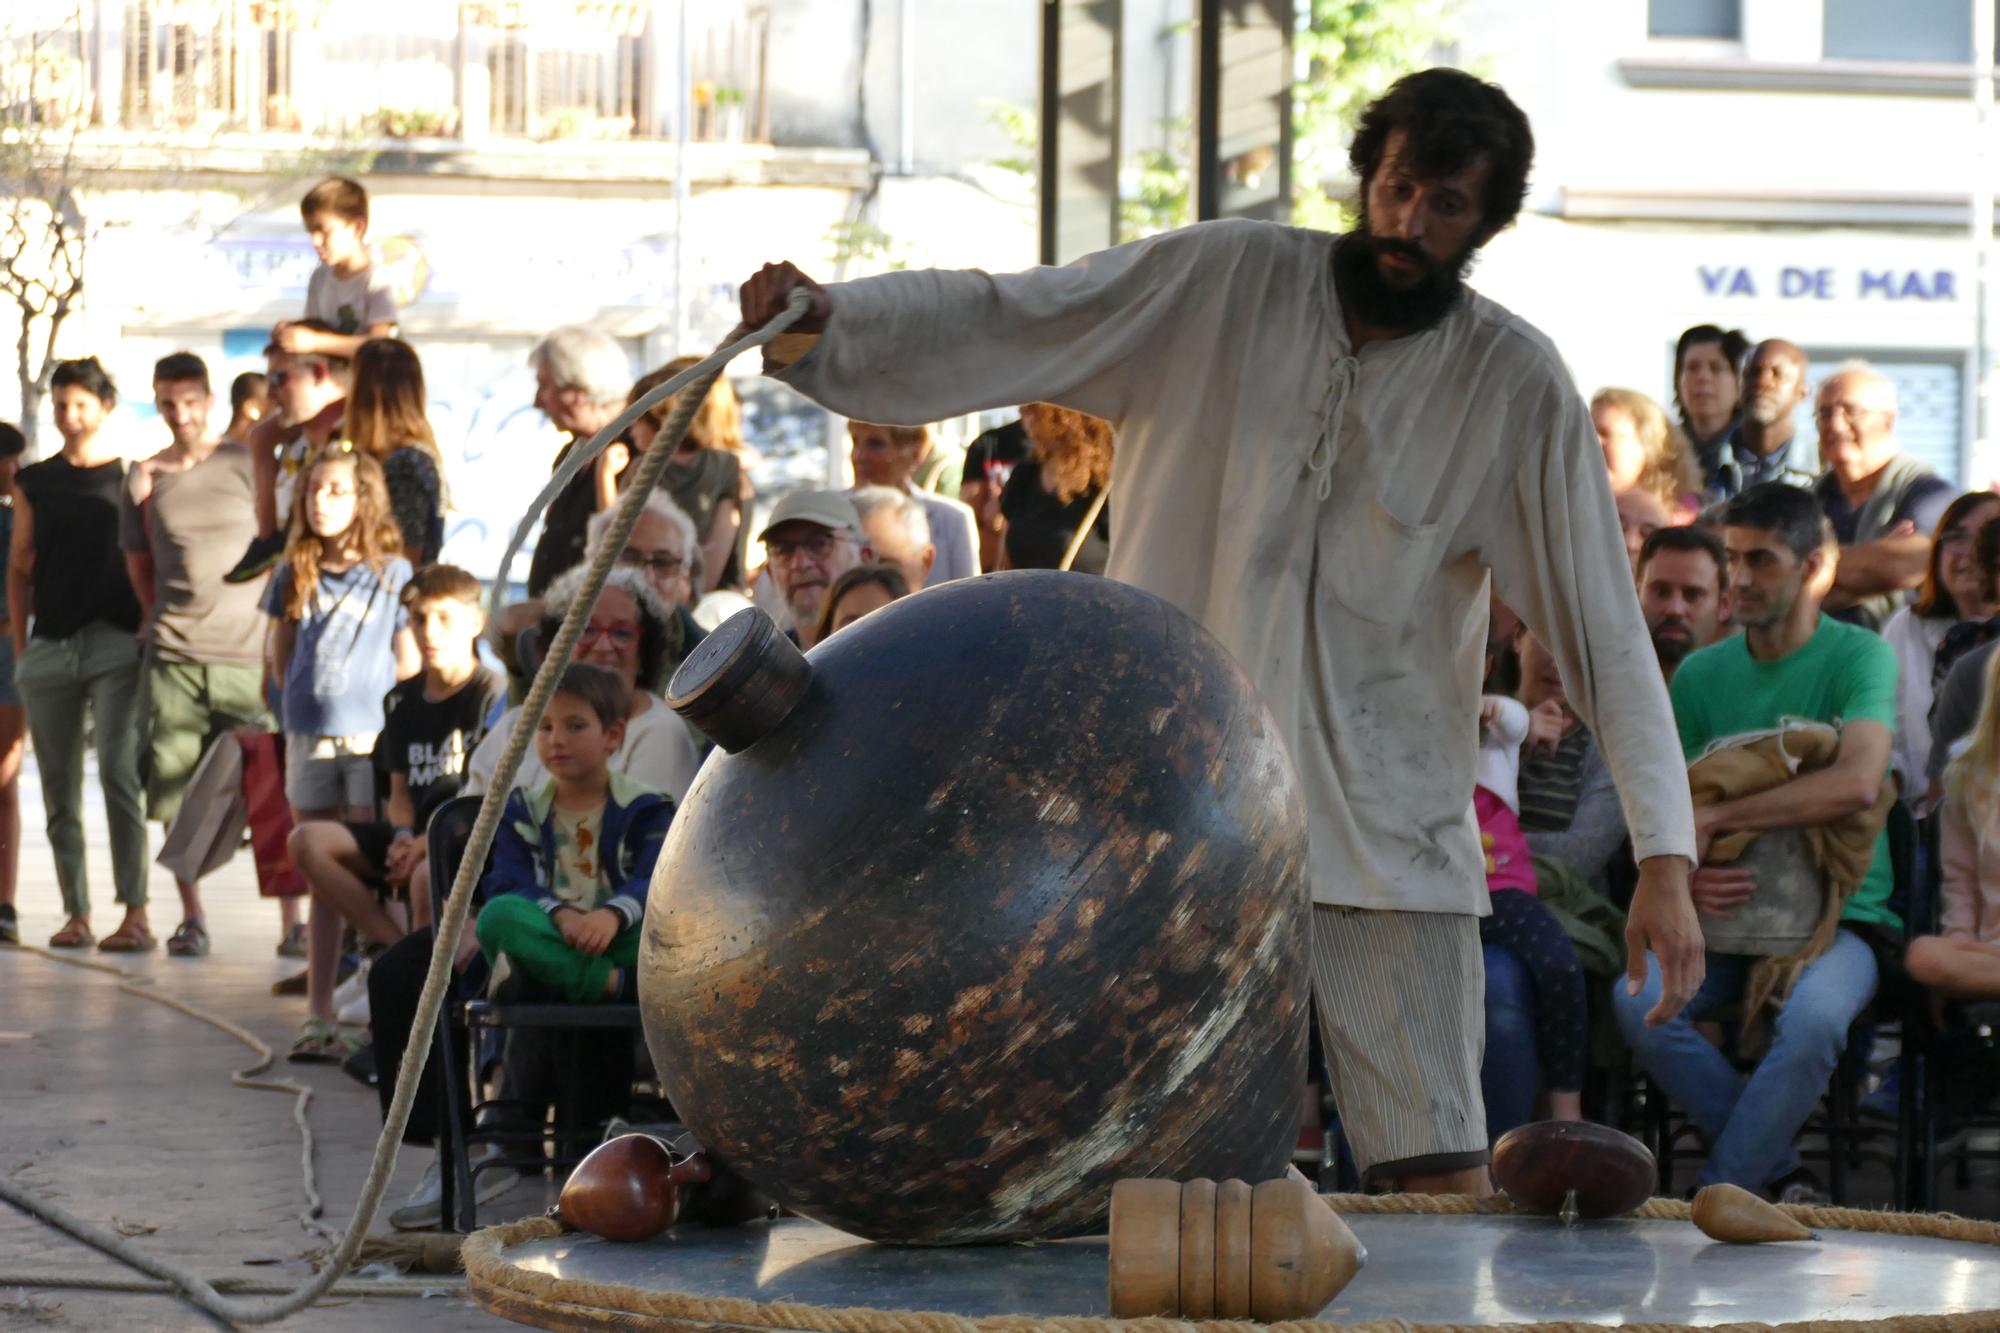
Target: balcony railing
(536, 69)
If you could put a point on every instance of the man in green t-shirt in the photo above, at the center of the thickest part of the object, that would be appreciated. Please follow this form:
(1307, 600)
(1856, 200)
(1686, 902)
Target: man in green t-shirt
(1790, 662)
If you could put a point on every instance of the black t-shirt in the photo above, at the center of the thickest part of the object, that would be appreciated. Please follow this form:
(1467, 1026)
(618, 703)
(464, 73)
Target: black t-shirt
(428, 743)
(563, 524)
(1040, 527)
(700, 482)
(79, 566)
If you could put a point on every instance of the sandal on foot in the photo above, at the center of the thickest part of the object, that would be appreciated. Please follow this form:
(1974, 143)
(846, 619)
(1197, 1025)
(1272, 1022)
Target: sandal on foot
(319, 1043)
(294, 943)
(128, 938)
(189, 940)
(73, 935)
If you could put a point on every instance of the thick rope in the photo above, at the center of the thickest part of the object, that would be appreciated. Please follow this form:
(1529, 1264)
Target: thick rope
(491, 1273)
(696, 381)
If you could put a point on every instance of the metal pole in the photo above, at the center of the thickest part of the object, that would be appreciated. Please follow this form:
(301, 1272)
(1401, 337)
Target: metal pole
(1985, 162)
(906, 54)
(683, 114)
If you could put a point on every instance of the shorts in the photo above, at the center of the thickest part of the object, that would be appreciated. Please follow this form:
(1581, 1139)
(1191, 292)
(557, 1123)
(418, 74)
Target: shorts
(1403, 1019)
(9, 695)
(188, 707)
(330, 772)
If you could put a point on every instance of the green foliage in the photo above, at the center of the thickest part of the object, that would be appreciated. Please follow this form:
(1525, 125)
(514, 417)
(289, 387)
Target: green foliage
(1352, 51)
(1020, 126)
(862, 242)
(413, 122)
(1159, 195)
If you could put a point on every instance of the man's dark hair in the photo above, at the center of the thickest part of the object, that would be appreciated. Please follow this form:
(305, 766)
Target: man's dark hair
(597, 688)
(1735, 346)
(250, 384)
(177, 367)
(1686, 538)
(12, 443)
(1793, 514)
(339, 196)
(88, 374)
(1450, 120)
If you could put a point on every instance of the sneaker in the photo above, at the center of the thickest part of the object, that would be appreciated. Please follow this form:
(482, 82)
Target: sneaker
(424, 1209)
(1799, 1187)
(352, 989)
(10, 925)
(257, 561)
(294, 943)
(353, 1014)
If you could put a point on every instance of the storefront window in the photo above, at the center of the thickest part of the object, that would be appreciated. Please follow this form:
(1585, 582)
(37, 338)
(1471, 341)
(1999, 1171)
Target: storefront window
(1694, 18)
(1938, 31)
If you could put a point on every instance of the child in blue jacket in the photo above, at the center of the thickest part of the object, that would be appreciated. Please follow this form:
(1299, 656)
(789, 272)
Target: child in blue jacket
(566, 890)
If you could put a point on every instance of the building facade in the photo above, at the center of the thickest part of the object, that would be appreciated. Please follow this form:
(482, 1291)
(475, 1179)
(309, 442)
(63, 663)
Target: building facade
(1794, 168)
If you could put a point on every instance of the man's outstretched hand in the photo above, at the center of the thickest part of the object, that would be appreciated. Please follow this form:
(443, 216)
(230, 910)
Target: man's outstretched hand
(764, 296)
(1662, 919)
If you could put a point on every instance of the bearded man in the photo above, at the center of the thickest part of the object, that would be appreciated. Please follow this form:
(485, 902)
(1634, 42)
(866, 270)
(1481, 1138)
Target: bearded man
(1327, 446)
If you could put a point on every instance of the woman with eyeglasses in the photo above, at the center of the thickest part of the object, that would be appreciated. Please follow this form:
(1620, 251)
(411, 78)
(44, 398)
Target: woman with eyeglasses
(628, 631)
(1946, 620)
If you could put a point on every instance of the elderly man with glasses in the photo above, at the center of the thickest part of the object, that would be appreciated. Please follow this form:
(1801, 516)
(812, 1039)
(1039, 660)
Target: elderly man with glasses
(1884, 504)
(813, 538)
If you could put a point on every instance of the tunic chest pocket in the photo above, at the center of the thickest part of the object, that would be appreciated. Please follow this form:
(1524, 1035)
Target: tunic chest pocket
(1378, 565)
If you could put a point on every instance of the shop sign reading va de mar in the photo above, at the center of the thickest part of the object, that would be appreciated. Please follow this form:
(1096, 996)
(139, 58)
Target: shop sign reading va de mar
(1828, 284)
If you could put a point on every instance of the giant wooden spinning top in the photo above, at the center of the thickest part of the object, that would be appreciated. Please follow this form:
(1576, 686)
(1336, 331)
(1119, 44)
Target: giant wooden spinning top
(996, 899)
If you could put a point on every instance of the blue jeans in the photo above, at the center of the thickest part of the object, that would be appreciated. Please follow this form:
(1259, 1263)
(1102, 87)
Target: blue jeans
(1750, 1123)
(1511, 1070)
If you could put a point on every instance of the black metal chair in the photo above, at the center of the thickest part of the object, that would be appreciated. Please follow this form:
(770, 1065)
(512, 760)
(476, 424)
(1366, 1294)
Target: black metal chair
(467, 1121)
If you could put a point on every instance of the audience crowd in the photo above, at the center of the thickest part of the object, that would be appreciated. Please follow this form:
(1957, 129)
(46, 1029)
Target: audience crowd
(1830, 636)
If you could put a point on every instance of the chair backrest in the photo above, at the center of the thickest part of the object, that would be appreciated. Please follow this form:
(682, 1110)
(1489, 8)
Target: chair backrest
(1912, 878)
(445, 839)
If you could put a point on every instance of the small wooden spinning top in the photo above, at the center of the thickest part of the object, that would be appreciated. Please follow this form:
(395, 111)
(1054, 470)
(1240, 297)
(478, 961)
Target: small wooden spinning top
(628, 1188)
(1726, 1212)
(1230, 1251)
(1572, 1169)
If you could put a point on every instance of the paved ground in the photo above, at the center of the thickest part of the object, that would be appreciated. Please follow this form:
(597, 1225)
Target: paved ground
(122, 1111)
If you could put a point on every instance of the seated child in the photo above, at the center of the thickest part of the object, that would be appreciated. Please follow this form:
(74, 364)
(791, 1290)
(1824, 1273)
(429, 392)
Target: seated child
(572, 859)
(1521, 924)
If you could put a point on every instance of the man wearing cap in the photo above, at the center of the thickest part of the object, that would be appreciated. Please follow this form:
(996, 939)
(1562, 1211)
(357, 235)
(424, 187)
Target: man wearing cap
(813, 538)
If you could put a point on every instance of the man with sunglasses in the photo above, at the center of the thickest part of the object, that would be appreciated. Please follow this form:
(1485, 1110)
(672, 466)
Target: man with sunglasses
(1884, 504)
(812, 539)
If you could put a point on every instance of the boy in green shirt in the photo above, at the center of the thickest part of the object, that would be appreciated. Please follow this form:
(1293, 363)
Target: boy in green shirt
(1790, 662)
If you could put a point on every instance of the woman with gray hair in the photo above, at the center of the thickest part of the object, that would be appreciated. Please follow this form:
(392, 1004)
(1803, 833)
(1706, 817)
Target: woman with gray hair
(627, 633)
(663, 548)
(581, 375)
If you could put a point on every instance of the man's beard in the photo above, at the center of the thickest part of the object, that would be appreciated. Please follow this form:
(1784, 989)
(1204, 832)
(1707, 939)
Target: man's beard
(1369, 297)
(1672, 650)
